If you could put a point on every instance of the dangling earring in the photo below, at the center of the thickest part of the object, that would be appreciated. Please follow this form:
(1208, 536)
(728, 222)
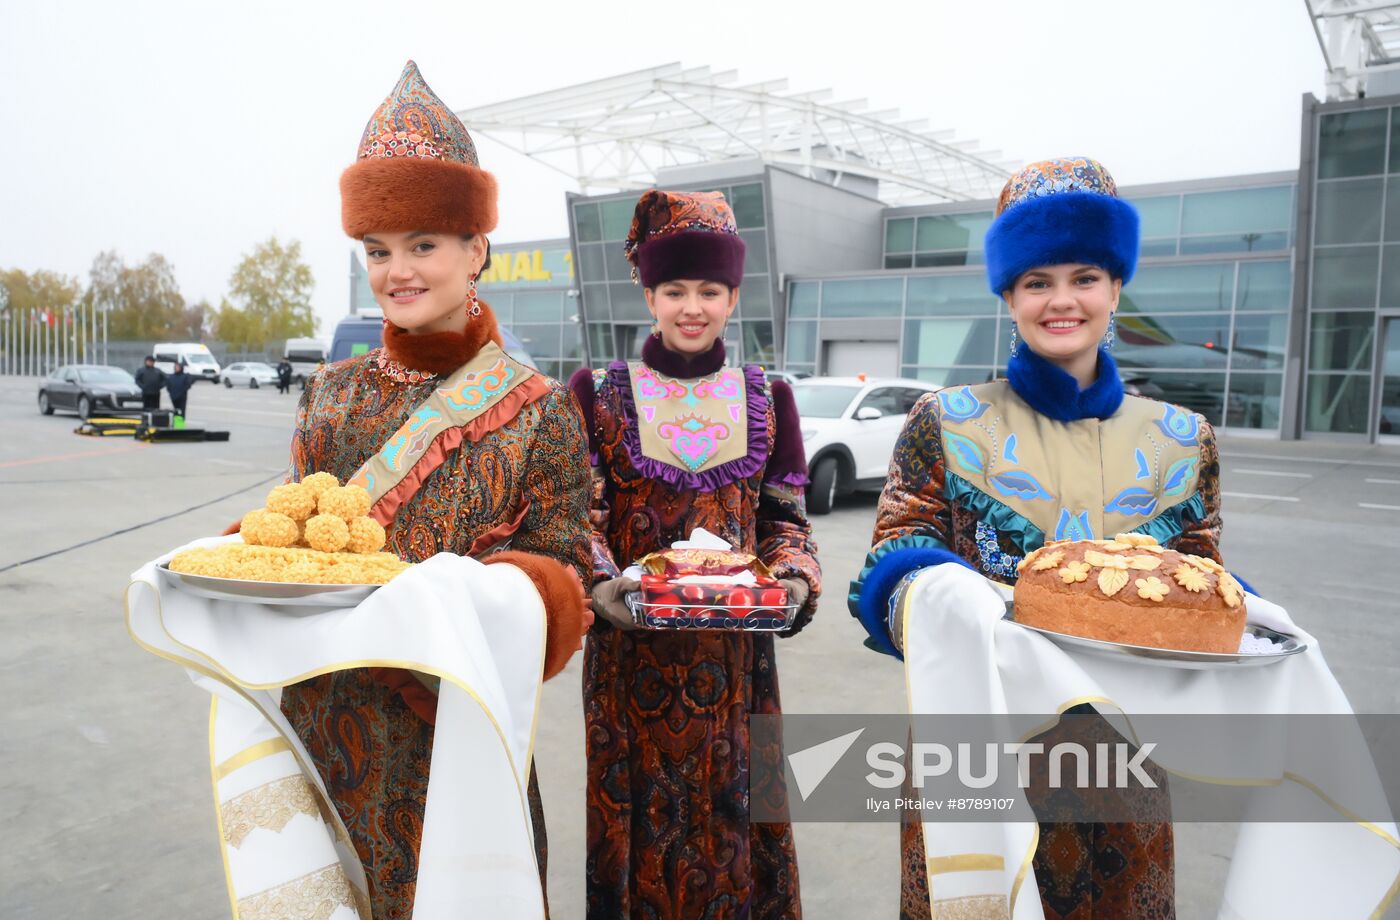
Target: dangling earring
(473, 305)
(1108, 337)
(1015, 341)
(655, 331)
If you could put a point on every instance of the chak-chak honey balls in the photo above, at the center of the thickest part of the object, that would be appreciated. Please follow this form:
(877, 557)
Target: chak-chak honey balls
(366, 536)
(311, 532)
(291, 565)
(327, 533)
(345, 502)
(268, 528)
(320, 482)
(294, 500)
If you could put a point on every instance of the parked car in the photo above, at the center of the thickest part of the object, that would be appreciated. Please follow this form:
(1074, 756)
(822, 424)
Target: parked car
(85, 388)
(197, 359)
(357, 335)
(249, 374)
(849, 427)
(788, 377)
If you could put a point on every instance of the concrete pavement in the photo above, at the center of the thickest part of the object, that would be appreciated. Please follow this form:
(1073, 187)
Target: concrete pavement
(105, 780)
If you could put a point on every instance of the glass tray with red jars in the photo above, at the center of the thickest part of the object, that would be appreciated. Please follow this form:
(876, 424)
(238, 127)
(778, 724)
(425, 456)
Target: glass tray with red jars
(666, 604)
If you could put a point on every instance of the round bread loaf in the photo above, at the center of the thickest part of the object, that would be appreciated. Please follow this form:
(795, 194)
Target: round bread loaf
(1133, 591)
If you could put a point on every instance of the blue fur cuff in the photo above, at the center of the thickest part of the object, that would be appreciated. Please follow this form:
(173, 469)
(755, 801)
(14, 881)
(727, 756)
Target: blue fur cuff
(875, 592)
(1056, 229)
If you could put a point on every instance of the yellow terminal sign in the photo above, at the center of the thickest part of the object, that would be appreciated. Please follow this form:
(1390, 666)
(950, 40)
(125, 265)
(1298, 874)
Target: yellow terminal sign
(526, 265)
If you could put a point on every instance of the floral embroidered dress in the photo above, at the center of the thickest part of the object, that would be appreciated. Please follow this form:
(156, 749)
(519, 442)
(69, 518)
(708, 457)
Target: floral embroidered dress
(680, 445)
(989, 473)
(517, 476)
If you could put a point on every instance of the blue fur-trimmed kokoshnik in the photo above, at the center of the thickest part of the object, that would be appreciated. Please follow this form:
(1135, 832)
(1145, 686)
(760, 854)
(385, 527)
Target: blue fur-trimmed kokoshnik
(1057, 212)
(1073, 226)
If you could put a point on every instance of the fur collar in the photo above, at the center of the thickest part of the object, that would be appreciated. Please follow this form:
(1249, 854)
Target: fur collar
(674, 364)
(1054, 393)
(441, 352)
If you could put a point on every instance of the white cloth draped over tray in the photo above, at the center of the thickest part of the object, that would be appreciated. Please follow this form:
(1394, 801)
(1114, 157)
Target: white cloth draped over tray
(479, 628)
(961, 656)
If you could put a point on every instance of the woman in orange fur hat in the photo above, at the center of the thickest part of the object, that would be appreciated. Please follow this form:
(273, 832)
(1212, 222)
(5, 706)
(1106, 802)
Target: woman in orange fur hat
(462, 449)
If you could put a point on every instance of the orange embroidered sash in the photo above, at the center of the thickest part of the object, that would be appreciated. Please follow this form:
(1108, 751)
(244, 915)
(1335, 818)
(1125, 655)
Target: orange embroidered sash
(476, 399)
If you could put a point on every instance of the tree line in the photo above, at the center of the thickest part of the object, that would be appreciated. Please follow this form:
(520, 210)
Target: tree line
(268, 299)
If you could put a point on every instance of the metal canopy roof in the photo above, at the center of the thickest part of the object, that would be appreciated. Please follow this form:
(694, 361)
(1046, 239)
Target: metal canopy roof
(616, 133)
(1357, 37)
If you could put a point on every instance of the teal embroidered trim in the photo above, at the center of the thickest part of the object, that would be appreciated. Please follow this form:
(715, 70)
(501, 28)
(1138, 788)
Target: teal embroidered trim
(1172, 523)
(1165, 527)
(1027, 536)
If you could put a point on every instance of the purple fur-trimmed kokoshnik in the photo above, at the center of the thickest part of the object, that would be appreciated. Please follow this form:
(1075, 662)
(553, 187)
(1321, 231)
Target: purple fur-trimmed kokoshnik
(684, 236)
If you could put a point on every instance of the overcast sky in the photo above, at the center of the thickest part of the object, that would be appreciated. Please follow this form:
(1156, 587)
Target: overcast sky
(196, 130)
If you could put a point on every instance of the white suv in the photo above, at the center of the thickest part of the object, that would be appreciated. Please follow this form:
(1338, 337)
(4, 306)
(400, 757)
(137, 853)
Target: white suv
(849, 428)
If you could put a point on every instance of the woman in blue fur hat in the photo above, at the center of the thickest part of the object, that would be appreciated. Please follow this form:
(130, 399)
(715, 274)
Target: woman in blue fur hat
(983, 475)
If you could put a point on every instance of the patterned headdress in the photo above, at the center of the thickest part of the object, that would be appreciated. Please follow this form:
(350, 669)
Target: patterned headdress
(416, 169)
(1059, 211)
(690, 235)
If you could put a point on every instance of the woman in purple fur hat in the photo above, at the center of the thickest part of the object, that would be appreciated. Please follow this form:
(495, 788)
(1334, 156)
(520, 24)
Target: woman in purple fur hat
(682, 441)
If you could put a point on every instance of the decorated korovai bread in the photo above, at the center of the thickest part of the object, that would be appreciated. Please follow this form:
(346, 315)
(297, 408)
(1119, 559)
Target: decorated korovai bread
(1133, 591)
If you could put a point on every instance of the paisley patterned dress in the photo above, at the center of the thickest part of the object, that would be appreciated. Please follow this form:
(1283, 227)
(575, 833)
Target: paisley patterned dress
(528, 476)
(667, 714)
(991, 472)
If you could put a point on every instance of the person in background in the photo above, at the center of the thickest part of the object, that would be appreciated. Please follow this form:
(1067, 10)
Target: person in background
(284, 376)
(151, 380)
(178, 383)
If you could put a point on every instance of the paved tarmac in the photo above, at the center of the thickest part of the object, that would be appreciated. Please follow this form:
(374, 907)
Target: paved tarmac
(104, 779)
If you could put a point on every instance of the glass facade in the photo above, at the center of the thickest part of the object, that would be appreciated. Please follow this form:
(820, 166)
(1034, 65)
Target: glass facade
(1208, 335)
(1188, 223)
(529, 288)
(1213, 319)
(1355, 274)
(615, 307)
(1267, 302)
(929, 241)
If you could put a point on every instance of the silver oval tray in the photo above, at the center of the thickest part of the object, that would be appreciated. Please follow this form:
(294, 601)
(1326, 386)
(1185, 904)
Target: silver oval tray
(1287, 646)
(266, 592)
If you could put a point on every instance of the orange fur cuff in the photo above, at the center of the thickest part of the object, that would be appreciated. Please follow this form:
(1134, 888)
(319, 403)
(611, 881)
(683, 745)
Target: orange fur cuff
(567, 619)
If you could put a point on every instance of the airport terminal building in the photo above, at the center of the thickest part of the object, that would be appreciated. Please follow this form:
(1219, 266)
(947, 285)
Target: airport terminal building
(1270, 303)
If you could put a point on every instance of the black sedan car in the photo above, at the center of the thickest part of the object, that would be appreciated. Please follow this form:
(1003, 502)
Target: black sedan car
(88, 388)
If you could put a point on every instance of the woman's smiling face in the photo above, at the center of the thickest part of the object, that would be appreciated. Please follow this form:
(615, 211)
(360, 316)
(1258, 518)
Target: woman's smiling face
(690, 315)
(1062, 311)
(420, 279)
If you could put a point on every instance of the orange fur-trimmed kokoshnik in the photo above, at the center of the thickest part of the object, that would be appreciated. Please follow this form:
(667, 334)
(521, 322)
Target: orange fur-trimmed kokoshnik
(416, 169)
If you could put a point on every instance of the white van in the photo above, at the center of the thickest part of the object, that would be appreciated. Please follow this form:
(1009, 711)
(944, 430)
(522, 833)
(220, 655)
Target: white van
(305, 355)
(198, 360)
